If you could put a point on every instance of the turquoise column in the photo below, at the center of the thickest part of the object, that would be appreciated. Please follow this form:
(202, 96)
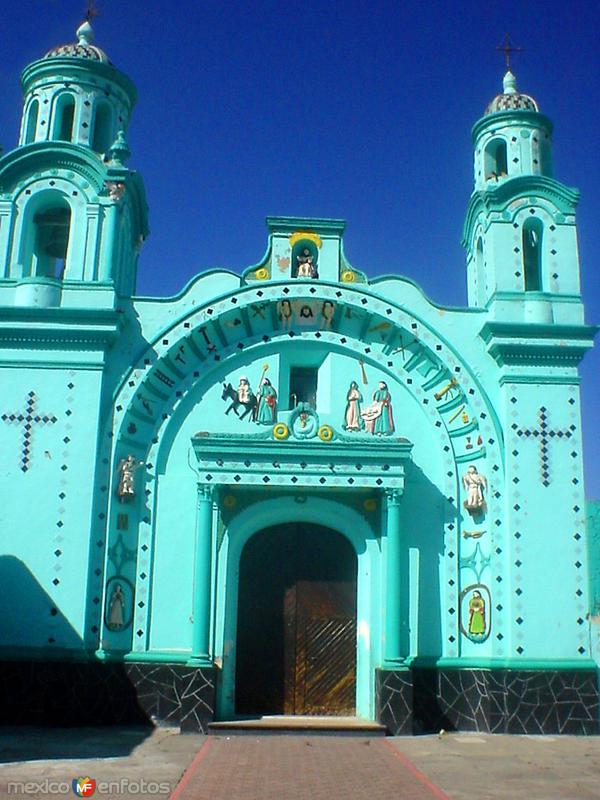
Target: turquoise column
(109, 235)
(394, 622)
(202, 574)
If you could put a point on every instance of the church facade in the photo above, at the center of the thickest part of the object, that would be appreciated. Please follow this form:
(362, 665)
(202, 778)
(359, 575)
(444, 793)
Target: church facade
(295, 491)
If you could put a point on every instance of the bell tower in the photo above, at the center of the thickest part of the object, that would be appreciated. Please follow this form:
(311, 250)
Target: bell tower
(520, 232)
(72, 215)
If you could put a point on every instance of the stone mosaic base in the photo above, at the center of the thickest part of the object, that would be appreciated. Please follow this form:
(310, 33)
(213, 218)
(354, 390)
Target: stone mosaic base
(490, 701)
(394, 701)
(94, 693)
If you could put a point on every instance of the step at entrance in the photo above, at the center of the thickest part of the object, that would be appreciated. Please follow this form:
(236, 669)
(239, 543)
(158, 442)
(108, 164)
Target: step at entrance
(299, 725)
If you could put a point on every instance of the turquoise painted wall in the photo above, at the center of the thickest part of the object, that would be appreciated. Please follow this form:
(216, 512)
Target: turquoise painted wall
(108, 375)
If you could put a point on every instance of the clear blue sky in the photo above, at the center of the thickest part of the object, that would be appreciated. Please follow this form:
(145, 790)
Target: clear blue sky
(360, 111)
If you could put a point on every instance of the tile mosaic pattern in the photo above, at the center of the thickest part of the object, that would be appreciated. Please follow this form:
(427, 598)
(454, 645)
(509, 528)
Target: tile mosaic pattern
(544, 435)
(394, 701)
(67, 694)
(28, 418)
(506, 701)
(175, 694)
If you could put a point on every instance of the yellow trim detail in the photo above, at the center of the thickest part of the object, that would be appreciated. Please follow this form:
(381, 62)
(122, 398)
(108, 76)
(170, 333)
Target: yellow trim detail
(281, 431)
(261, 274)
(370, 504)
(312, 237)
(325, 433)
(348, 276)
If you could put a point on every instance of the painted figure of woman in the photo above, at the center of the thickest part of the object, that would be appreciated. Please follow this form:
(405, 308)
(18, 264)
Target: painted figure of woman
(477, 614)
(352, 418)
(378, 416)
(116, 615)
(267, 403)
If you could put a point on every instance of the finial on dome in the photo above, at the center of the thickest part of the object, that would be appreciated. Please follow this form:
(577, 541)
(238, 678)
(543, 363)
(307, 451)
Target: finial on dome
(509, 83)
(85, 33)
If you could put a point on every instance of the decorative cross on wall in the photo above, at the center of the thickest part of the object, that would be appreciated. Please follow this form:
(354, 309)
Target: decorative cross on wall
(29, 419)
(544, 436)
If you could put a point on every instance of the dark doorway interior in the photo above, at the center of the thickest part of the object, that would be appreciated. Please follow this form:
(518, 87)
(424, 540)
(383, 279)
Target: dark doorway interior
(296, 634)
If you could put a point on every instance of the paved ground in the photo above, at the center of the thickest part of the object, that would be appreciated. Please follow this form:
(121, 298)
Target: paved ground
(248, 767)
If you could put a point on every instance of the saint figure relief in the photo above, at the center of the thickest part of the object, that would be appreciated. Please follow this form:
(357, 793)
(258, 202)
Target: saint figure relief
(267, 403)
(352, 418)
(475, 484)
(127, 469)
(116, 608)
(476, 614)
(378, 417)
(244, 392)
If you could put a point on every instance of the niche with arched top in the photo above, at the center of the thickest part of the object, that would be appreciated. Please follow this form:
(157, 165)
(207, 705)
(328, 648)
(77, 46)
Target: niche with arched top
(45, 237)
(32, 120)
(533, 234)
(305, 258)
(64, 117)
(495, 160)
(102, 129)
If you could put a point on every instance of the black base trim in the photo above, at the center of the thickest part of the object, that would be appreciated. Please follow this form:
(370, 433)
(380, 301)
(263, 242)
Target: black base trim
(488, 701)
(66, 694)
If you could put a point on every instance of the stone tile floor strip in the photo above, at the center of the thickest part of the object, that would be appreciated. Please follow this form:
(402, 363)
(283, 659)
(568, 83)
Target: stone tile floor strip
(303, 768)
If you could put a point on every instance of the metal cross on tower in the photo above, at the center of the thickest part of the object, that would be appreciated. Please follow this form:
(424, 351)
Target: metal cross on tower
(544, 436)
(29, 419)
(91, 10)
(507, 49)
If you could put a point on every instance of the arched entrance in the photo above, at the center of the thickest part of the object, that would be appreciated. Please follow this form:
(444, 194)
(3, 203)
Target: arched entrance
(296, 627)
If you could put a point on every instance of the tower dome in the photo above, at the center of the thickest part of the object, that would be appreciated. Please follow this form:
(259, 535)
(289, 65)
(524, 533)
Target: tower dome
(75, 94)
(83, 48)
(511, 99)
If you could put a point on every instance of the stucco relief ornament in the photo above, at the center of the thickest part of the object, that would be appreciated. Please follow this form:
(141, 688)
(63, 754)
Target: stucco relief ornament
(475, 484)
(127, 469)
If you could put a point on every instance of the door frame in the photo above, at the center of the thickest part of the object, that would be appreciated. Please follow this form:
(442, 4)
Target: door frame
(319, 511)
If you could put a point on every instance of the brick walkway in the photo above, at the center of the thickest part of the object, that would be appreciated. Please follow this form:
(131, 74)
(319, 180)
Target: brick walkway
(302, 768)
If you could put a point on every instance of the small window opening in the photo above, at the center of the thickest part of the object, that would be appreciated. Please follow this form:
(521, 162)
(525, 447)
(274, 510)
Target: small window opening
(52, 241)
(495, 160)
(532, 254)
(65, 115)
(303, 386)
(102, 140)
(32, 119)
(546, 158)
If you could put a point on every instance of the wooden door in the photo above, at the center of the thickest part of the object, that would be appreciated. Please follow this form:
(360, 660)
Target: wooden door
(296, 633)
(320, 648)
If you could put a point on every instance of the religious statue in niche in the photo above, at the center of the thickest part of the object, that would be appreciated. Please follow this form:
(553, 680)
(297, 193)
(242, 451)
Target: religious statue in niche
(352, 418)
(476, 625)
(267, 403)
(127, 468)
(475, 484)
(306, 267)
(242, 396)
(378, 417)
